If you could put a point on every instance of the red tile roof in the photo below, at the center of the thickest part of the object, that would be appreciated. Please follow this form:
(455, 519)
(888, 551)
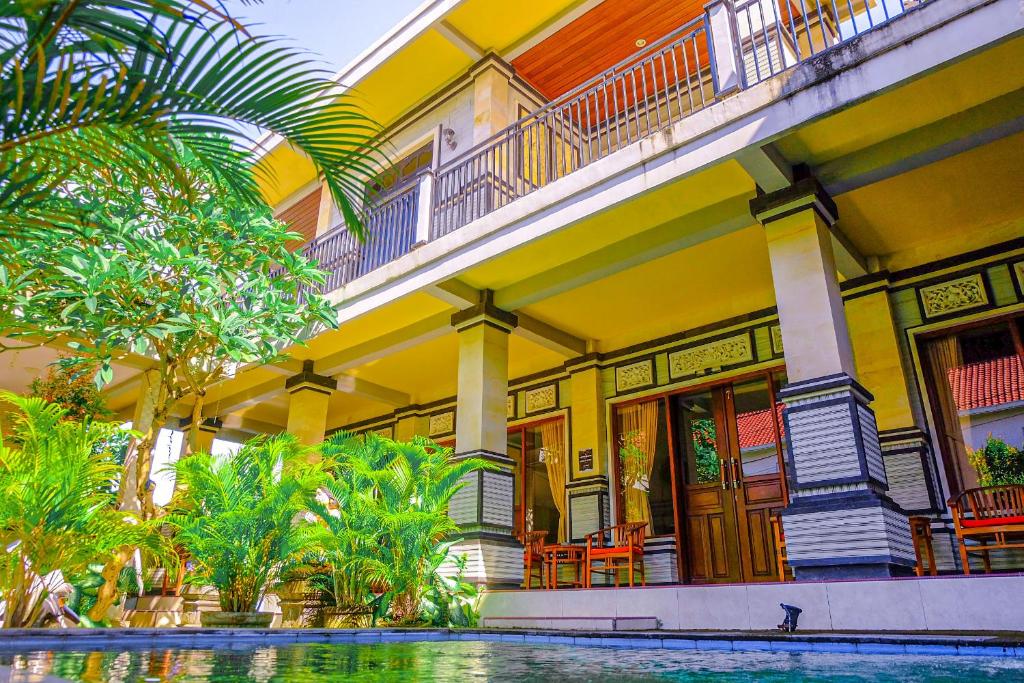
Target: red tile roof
(988, 383)
(755, 428)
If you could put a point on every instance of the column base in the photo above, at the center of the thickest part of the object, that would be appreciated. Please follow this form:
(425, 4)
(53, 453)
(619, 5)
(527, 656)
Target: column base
(494, 561)
(850, 534)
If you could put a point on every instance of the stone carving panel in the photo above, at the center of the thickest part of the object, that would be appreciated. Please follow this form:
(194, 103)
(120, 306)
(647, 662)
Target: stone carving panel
(441, 423)
(733, 350)
(541, 398)
(1018, 272)
(776, 334)
(510, 407)
(953, 296)
(634, 375)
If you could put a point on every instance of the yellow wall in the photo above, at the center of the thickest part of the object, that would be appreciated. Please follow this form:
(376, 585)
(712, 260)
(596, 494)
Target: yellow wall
(877, 355)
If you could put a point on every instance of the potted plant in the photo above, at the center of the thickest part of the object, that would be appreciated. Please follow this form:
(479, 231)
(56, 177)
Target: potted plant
(235, 517)
(383, 528)
(998, 463)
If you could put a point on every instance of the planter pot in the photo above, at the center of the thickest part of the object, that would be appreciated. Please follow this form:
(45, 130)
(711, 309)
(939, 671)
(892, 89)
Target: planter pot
(355, 616)
(236, 619)
(299, 607)
(195, 601)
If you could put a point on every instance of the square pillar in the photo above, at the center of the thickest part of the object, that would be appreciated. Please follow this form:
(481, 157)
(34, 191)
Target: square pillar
(492, 99)
(308, 397)
(198, 438)
(588, 490)
(484, 507)
(840, 523)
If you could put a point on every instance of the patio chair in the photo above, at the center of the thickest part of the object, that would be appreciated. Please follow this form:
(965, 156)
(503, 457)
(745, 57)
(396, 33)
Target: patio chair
(617, 547)
(533, 556)
(992, 517)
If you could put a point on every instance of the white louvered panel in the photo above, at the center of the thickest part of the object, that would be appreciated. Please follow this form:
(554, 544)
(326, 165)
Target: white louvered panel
(585, 515)
(872, 449)
(824, 446)
(497, 499)
(908, 485)
(847, 533)
(463, 506)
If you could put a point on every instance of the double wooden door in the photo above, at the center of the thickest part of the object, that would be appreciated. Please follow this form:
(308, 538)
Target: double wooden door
(730, 450)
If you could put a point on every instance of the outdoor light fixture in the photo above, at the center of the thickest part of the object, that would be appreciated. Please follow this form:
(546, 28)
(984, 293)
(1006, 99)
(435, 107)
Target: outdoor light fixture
(640, 42)
(792, 614)
(449, 138)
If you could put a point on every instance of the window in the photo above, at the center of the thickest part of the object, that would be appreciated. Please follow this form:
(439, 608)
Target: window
(402, 172)
(975, 384)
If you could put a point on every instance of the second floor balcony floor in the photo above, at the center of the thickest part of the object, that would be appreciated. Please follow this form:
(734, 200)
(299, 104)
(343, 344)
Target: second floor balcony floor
(572, 114)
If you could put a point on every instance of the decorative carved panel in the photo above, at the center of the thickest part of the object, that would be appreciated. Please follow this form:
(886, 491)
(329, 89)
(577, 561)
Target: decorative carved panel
(1018, 272)
(697, 359)
(634, 375)
(953, 296)
(386, 432)
(541, 398)
(441, 423)
(776, 334)
(510, 407)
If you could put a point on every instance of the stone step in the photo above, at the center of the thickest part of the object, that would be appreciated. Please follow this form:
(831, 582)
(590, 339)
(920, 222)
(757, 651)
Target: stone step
(574, 623)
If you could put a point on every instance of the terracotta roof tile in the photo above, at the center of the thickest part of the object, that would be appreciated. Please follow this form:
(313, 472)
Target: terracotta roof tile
(755, 428)
(988, 383)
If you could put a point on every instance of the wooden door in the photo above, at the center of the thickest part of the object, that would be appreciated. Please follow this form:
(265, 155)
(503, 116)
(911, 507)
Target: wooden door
(711, 533)
(755, 474)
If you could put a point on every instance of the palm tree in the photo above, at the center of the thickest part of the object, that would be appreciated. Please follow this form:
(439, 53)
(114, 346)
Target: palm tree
(94, 83)
(57, 506)
(235, 517)
(390, 525)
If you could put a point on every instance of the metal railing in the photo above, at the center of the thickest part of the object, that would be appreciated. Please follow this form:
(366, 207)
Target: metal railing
(645, 93)
(652, 89)
(774, 35)
(390, 226)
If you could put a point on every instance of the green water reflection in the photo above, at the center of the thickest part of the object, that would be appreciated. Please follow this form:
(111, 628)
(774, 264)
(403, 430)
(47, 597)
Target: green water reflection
(491, 661)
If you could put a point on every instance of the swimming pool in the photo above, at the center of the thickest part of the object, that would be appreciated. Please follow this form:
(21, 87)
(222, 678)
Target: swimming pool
(464, 660)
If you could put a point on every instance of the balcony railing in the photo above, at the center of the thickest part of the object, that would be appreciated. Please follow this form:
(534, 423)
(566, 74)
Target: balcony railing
(645, 93)
(735, 44)
(390, 232)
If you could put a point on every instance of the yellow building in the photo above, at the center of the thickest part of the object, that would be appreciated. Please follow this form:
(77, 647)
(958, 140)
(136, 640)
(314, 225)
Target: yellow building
(706, 267)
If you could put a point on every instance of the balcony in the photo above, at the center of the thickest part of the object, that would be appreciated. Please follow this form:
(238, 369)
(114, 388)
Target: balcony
(732, 46)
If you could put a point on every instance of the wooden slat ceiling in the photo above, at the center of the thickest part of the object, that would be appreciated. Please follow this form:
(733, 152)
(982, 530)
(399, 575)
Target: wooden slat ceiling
(600, 39)
(301, 217)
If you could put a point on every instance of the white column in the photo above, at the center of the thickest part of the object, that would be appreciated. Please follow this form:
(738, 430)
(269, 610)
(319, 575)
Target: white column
(840, 523)
(484, 507)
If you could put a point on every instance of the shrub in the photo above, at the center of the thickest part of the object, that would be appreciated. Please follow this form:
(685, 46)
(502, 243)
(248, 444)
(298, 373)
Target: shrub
(998, 463)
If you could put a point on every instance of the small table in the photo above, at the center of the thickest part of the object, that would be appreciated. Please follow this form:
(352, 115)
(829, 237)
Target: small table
(563, 554)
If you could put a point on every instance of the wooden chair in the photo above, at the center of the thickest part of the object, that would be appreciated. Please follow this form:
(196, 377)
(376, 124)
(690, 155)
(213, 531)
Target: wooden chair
(990, 514)
(924, 551)
(533, 556)
(626, 551)
(781, 558)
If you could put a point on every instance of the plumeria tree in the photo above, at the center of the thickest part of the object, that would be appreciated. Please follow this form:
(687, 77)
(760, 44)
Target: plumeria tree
(194, 283)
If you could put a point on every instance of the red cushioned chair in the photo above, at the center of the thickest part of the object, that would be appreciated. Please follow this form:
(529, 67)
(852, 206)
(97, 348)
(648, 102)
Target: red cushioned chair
(992, 517)
(533, 556)
(625, 550)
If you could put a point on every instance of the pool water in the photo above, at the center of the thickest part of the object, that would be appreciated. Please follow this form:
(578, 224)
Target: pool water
(492, 661)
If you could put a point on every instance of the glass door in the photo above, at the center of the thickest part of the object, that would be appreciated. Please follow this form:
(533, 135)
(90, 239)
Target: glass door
(711, 533)
(731, 457)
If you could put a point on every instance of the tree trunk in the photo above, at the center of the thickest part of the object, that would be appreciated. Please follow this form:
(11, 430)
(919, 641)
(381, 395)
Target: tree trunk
(134, 494)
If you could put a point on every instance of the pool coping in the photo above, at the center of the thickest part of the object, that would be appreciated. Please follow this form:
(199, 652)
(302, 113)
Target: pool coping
(964, 644)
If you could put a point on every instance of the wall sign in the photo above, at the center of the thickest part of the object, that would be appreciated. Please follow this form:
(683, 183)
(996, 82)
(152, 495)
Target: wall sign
(586, 459)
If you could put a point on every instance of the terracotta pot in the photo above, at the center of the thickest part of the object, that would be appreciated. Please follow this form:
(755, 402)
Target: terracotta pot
(353, 616)
(236, 619)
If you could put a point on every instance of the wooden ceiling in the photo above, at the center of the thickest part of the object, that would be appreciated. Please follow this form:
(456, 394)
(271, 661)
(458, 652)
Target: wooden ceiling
(600, 39)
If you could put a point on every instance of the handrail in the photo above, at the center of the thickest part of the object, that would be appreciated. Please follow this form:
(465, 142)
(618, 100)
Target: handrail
(643, 93)
(693, 25)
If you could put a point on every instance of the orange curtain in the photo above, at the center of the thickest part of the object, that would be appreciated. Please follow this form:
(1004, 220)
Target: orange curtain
(552, 438)
(944, 355)
(639, 440)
